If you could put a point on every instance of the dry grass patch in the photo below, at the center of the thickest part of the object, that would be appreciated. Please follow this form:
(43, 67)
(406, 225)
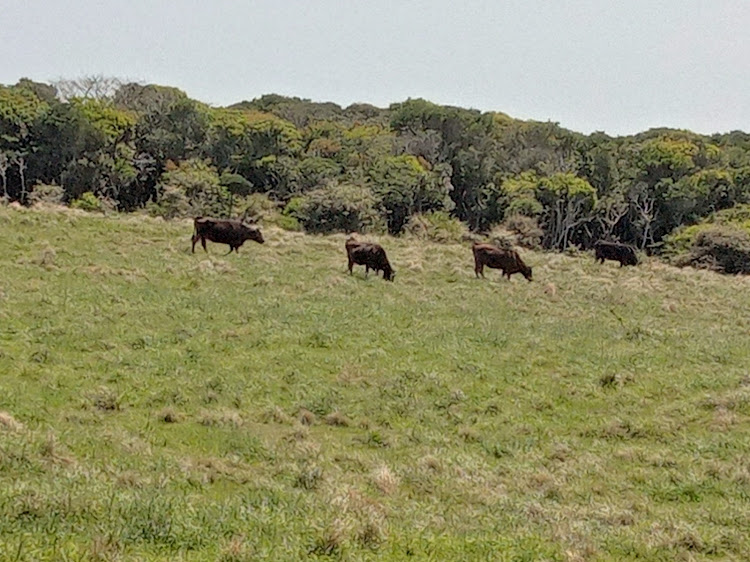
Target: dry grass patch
(169, 415)
(277, 415)
(208, 470)
(46, 258)
(130, 479)
(337, 419)
(213, 267)
(237, 550)
(220, 418)
(299, 433)
(361, 520)
(9, 422)
(128, 274)
(431, 463)
(384, 480)
(51, 451)
(306, 417)
(105, 549)
(105, 399)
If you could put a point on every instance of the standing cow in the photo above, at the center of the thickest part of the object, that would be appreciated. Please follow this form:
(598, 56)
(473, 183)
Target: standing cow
(497, 258)
(615, 251)
(224, 231)
(372, 256)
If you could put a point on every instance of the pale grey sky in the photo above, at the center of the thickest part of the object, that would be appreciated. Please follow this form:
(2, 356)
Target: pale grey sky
(618, 66)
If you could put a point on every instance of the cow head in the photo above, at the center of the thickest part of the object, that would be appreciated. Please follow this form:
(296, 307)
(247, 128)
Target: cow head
(252, 233)
(526, 272)
(389, 274)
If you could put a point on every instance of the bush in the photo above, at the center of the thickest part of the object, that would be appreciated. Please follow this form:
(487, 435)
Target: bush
(437, 226)
(173, 203)
(257, 206)
(87, 202)
(49, 194)
(260, 207)
(286, 222)
(523, 231)
(337, 208)
(720, 248)
(190, 188)
(680, 241)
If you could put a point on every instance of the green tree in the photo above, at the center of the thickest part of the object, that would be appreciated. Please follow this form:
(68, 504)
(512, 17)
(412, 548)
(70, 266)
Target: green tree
(404, 187)
(337, 207)
(563, 203)
(192, 186)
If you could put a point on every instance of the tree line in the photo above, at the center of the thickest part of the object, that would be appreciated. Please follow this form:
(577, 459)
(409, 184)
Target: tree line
(98, 141)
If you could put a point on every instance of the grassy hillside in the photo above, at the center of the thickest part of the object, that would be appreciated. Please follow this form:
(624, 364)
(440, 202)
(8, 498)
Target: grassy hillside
(159, 405)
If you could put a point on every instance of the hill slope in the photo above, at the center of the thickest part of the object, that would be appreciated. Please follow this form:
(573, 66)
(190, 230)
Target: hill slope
(159, 405)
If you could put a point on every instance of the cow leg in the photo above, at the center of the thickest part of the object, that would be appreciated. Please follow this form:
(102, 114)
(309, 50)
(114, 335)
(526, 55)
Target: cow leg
(194, 240)
(203, 243)
(231, 248)
(351, 265)
(479, 270)
(367, 270)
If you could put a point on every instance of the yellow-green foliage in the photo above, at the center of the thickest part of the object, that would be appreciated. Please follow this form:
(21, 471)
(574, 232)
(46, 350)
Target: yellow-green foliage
(103, 116)
(678, 243)
(437, 226)
(159, 405)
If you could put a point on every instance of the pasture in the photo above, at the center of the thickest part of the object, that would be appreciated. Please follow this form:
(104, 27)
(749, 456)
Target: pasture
(162, 405)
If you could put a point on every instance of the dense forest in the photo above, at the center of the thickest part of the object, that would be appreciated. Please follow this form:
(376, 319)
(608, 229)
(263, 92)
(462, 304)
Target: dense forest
(97, 142)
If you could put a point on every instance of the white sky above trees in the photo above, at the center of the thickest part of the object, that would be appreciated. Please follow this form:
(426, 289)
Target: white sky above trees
(619, 66)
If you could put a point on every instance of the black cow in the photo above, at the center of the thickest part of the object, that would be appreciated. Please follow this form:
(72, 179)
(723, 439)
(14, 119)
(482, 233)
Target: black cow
(497, 258)
(224, 231)
(615, 251)
(372, 256)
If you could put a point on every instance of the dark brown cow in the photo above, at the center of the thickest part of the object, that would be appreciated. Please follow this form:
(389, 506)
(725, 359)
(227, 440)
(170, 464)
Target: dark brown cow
(224, 231)
(615, 251)
(372, 256)
(496, 258)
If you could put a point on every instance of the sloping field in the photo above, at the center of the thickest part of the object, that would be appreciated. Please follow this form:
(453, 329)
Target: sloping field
(160, 405)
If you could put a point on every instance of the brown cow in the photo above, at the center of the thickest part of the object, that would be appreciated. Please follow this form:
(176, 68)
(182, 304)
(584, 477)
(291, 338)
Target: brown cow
(496, 258)
(372, 256)
(224, 231)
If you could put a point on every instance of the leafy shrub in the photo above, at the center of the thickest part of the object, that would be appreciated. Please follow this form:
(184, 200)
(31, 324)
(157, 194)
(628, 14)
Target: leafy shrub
(522, 230)
(437, 226)
(720, 248)
(337, 207)
(717, 243)
(87, 202)
(49, 194)
(172, 203)
(526, 206)
(677, 244)
(257, 206)
(286, 222)
(502, 238)
(191, 187)
(260, 207)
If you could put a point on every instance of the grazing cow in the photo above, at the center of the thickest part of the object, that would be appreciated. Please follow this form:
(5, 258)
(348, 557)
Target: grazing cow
(496, 258)
(615, 251)
(225, 231)
(372, 256)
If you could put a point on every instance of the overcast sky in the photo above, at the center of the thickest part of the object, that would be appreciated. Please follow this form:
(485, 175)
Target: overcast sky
(619, 66)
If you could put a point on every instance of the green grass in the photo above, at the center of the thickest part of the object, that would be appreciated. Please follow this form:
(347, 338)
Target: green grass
(160, 405)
